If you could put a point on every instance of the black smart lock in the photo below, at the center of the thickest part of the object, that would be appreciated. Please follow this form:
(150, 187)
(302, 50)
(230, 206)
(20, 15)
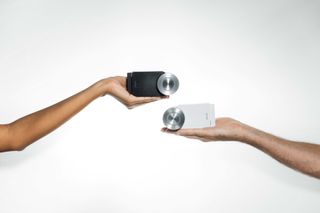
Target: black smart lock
(153, 83)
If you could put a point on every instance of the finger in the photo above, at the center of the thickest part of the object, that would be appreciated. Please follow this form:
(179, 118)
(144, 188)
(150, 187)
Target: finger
(143, 100)
(151, 99)
(135, 102)
(166, 130)
(165, 97)
(190, 132)
(193, 138)
(174, 132)
(134, 106)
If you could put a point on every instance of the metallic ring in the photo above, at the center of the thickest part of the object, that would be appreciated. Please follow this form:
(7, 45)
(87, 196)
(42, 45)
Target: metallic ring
(173, 118)
(168, 84)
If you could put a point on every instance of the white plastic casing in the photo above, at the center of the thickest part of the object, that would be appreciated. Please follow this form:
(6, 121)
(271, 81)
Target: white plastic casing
(198, 115)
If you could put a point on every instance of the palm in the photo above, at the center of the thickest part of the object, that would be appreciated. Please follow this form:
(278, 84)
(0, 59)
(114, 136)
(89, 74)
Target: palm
(119, 91)
(225, 129)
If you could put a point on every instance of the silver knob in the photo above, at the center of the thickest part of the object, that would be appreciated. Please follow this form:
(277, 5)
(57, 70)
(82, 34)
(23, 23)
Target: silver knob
(168, 84)
(173, 118)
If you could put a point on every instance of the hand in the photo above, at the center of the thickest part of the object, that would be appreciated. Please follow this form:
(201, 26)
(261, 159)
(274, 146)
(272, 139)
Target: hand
(301, 156)
(226, 129)
(116, 87)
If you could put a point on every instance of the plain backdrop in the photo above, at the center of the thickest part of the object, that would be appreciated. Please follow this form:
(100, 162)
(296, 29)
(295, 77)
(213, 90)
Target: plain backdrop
(257, 61)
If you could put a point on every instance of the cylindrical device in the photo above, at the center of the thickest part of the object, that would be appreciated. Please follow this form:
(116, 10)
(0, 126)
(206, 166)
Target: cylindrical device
(189, 116)
(173, 118)
(152, 83)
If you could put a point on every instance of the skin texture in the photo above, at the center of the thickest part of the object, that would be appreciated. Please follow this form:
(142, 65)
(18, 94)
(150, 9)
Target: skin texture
(301, 156)
(24, 131)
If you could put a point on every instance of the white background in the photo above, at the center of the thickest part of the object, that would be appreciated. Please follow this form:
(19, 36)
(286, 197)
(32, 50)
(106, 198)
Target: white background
(258, 61)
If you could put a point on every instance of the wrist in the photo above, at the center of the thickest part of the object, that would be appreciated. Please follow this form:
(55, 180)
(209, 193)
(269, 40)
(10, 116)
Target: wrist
(250, 135)
(228, 129)
(237, 131)
(101, 88)
(243, 133)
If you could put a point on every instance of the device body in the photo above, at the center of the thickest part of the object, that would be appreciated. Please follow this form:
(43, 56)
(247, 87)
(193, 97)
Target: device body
(189, 116)
(152, 83)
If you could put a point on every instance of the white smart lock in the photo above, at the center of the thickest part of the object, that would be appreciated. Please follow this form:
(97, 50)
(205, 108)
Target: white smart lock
(189, 116)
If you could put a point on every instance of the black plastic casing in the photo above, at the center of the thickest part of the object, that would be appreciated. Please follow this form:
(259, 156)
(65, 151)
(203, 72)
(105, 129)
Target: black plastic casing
(144, 84)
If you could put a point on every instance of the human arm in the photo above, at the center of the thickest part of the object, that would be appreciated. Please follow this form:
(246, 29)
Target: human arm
(301, 156)
(24, 131)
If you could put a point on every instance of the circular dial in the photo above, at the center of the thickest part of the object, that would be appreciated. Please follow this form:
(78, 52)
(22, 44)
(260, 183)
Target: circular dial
(173, 118)
(168, 84)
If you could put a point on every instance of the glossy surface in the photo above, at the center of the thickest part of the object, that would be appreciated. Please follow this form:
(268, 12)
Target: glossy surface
(173, 118)
(168, 84)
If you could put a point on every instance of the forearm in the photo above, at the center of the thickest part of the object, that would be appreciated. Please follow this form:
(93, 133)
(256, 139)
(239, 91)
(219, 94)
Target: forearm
(30, 128)
(24, 131)
(304, 157)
